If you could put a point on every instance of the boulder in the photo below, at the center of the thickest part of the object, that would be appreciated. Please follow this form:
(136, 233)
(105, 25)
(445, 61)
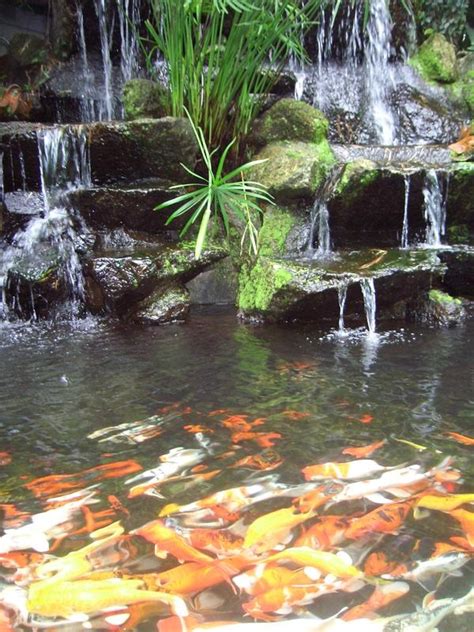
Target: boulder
(143, 98)
(151, 148)
(215, 286)
(293, 171)
(460, 205)
(27, 50)
(293, 121)
(439, 309)
(436, 60)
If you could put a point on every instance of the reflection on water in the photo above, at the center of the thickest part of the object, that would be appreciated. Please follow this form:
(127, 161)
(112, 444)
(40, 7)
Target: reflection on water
(300, 395)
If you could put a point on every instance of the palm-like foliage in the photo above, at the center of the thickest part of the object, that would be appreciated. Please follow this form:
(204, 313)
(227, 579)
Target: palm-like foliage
(218, 194)
(215, 51)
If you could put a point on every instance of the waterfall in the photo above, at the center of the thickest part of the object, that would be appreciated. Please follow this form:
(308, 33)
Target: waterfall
(378, 74)
(50, 238)
(368, 292)
(404, 239)
(105, 33)
(341, 296)
(320, 225)
(88, 112)
(434, 208)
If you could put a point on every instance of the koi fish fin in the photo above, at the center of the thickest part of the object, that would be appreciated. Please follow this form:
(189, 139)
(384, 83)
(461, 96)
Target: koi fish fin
(379, 499)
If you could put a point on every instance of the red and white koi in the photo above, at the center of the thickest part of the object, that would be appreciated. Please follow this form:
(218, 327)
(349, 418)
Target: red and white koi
(351, 470)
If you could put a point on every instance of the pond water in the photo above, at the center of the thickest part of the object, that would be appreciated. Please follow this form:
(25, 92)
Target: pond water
(294, 396)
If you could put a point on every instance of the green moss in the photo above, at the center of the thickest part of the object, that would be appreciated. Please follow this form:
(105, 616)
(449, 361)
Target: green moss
(357, 175)
(438, 296)
(458, 234)
(436, 60)
(259, 284)
(143, 98)
(274, 232)
(293, 120)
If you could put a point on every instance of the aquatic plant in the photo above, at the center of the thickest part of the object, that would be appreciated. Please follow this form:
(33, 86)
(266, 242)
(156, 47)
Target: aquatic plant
(218, 55)
(226, 196)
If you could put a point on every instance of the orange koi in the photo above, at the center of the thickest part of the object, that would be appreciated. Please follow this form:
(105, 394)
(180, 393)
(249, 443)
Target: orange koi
(264, 577)
(381, 597)
(364, 450)
(385, 519)
(378, 563)
(465, 440)
(63, 599)
(263, 439)
(466, 521)
(221, 542)
(327, 532)
(287, 367)
(167, 541)
(317, 497)
(295, 415)
(47, 486)
(12, 516)
(240, 423)
(195, 428)
(343, 471)
(265, 461)
(117, 506)
(5, 458)
(193, 577)
(21, 559)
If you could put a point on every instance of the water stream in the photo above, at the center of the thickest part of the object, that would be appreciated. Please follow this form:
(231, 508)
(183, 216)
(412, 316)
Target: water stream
(370, 303)
(434, 208)
(404, 238)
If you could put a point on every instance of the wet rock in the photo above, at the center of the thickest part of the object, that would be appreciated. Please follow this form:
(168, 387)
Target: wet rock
(277, 289)
(149, 147)
(27, 50)
(293, 121)
(62, 27)
(458, 279)
(293, 171)
(131, 206)
(460, 205)
(435, 120)
(438, 309)
(164, 306)
(436, 60)
(143, 98)
(19, 208)
(21, 162)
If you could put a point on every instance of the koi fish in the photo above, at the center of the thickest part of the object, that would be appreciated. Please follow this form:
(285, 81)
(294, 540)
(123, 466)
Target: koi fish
(192, 577)
(263, 439)
(337, 564)
(295, 415)
(132, 432)
(444, 503)
(466, 521)
(385, 519)
(274, 528)
(381, 597)
(265, 461)
(5, 458)
(461, 438)
(240, 423)
(363, 451)
(151, 488)
(173, 462)
(422, 571)
(63, 599)
(43, 526)
(265, 577)
(167, 541)
(343, 471)
(221, 542)
(327, 532)
(232, 500)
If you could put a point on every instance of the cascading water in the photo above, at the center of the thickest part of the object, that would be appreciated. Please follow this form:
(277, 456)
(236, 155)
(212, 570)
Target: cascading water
(320, 226)
(434, 208)
(105, 31)
(368, 292)
(50, 239)
(404, 239)
(341, 297)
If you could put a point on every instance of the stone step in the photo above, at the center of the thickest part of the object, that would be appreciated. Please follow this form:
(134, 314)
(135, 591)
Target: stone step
(304, 290)
(118, 151)
(130, 207)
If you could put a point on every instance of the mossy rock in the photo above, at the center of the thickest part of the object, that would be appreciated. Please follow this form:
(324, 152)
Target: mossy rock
(291, 120)
(28, 50)
(439, 309)
(293, 171)
(259, 286)
(356, 175)
(436, 60)
(277, 224)
(143, 98)
(164, 306)
(460, 207)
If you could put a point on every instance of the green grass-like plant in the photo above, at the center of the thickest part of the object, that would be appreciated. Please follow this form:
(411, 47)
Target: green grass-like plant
(219, 195)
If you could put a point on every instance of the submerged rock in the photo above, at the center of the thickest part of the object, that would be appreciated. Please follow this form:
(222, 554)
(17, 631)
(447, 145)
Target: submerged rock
(164, 306)
(143, 98)
(439, 309)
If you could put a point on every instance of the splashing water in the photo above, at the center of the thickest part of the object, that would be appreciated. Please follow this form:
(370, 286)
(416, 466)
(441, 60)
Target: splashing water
(434, 208)
(50, 238)
(320, 224)
(341, 296)
(368, 292)
(404, 239)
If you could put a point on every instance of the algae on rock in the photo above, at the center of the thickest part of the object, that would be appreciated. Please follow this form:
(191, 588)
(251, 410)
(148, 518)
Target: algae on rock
(436, 60)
